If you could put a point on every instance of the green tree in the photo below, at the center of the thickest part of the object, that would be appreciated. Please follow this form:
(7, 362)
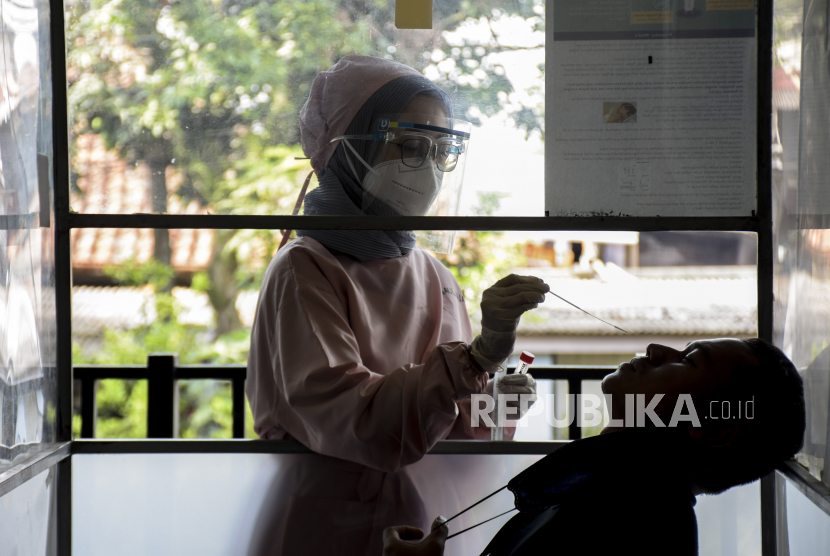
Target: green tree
(205, 84)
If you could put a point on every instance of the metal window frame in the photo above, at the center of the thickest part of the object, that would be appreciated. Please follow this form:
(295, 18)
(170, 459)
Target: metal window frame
(760, 223)
(816, 491)
(770, 501)
(476, 223)
(248, 446)
(16, 475)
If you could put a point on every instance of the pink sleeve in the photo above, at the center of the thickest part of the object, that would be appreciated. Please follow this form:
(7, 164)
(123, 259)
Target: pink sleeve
(335, 405)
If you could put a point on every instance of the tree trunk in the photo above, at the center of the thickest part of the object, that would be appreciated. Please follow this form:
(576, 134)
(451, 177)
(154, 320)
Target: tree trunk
(223, 288)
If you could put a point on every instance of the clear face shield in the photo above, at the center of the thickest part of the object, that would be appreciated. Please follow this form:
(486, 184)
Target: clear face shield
(416, 169)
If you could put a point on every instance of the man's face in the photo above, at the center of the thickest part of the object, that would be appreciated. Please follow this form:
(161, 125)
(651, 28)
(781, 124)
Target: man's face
(701, 370)
(622, 111)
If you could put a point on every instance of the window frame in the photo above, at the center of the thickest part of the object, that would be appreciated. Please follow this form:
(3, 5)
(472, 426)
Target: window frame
(760, 222)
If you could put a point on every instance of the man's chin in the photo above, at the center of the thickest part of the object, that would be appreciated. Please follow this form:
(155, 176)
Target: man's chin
(610, 382)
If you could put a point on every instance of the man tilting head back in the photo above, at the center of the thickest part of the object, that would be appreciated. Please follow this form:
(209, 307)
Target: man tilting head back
(717, 414)
(747, 395)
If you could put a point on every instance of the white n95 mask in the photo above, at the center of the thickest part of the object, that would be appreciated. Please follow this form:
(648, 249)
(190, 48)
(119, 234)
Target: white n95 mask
(409, 191)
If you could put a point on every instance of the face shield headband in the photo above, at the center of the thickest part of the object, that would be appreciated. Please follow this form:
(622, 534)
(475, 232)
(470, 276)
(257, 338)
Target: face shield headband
(386, 125)
(416, 169)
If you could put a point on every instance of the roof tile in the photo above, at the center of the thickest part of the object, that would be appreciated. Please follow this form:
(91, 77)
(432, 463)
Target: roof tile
(111, 186)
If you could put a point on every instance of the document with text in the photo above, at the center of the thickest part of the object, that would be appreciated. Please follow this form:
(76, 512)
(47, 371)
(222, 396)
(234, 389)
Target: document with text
(651, 108)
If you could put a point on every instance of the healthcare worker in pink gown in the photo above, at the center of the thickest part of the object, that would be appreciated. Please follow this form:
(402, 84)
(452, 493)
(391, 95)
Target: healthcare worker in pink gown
(361, 348)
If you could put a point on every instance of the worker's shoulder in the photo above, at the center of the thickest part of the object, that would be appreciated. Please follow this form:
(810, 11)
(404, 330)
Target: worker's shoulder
(302, 255)
(424, 258)
(303, 248)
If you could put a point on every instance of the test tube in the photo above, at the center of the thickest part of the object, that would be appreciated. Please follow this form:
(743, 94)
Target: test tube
(525, 360)
(497, 432)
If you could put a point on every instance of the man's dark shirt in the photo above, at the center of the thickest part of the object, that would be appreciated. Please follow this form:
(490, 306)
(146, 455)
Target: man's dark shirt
(614, 494)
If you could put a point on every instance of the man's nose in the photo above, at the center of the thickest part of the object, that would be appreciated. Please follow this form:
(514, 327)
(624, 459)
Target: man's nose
(657, 354)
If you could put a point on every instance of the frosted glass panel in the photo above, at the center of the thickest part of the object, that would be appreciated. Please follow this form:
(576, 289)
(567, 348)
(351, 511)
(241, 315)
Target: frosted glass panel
(28, 517)
(227, 503)
(814, 165)
(808, 528)
(27, 269)
(801, 175)
(729, 524)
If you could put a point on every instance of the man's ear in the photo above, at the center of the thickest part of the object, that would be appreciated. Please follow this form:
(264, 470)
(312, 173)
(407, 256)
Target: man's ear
(716, 436)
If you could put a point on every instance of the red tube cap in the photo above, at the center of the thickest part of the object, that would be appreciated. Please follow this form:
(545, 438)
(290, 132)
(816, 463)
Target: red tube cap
(527, 357)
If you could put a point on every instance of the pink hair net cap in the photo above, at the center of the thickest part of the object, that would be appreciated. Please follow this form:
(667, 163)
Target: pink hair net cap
(336, 96)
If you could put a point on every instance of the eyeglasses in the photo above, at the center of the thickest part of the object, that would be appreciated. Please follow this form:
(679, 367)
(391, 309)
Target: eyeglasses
(416, 147)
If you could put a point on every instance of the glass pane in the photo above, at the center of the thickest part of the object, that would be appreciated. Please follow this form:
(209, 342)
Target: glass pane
(729, 524)
(662, 287)
(808, 527)
(205, 409)
(801, 138)
(803, 332)
(645, 121)
(669, 288)
(814, 169)
(166, 117)
(122, 409)
(27, 270)
(231, 503)
(538, 424)
(28, 516)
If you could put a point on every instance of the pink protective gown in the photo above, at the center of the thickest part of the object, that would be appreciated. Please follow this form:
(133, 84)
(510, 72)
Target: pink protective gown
(367, 364)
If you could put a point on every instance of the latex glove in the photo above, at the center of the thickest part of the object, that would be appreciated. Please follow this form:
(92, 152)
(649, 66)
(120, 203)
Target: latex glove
(524, 386)
(403, 540)
(502, 305)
